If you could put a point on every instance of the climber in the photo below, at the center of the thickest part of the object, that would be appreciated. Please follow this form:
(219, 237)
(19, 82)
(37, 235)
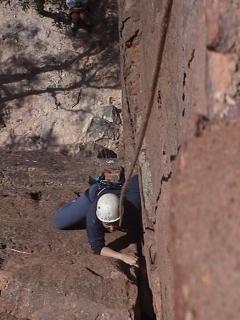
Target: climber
(98, 207)
(79, 14)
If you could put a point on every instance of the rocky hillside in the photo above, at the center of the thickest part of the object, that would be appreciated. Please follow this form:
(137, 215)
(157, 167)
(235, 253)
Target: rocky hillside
(58, 92)
(60, 96)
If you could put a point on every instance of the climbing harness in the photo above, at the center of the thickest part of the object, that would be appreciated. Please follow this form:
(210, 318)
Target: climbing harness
(110, 179)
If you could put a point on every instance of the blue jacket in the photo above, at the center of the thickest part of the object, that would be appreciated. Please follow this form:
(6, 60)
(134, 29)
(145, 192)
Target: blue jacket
(132, 207)
(83, 209)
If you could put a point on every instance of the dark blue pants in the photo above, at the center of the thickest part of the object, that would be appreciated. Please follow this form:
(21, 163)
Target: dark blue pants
(73, 213)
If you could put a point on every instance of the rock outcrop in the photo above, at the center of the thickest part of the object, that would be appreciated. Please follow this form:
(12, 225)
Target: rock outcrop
(189, 159)
(46, 273)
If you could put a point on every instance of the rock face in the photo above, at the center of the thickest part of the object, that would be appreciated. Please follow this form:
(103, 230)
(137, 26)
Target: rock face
(46, 273)
(53, 84)
(189, 199)
(204, 225)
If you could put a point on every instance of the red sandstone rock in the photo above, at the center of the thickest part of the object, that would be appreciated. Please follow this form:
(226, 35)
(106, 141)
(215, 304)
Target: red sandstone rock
(197, 82)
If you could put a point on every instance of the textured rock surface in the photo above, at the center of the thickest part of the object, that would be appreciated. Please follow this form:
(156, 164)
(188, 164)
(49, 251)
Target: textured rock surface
(197, 84)
(52, 85)
(46, 273)
(205, 224)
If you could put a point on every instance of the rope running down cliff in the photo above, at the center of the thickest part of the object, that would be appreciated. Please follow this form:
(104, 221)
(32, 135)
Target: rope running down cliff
(163, 33)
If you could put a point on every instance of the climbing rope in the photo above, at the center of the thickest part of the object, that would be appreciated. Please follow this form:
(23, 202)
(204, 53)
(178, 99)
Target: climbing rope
(163, 33)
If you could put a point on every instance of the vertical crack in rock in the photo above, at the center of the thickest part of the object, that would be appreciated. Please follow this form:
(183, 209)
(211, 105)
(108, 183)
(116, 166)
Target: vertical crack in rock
(191, 59)
(131, 40)
(123, 25)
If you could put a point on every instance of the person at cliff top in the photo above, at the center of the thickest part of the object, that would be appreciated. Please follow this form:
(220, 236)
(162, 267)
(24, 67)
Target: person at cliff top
(76, 3)
(78, 13)
(99, 208)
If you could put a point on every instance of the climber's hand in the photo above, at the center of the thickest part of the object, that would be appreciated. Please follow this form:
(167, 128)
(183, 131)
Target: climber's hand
(130, 259)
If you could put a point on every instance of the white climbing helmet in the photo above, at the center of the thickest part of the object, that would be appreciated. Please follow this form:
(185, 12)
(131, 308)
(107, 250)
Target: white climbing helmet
(107, 208)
